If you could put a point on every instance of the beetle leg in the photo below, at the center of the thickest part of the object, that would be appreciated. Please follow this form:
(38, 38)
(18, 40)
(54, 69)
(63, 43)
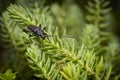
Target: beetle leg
(40, 25)
(44, 28)
(30, 35)
(26, 30)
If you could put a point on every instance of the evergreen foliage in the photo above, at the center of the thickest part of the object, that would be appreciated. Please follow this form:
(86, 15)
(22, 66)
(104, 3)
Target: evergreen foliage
(8, 75)
(59, 57)
(98, 19)
(69, 18)
(98, 10)
(91, 38)
(9, 34)
(14, 42)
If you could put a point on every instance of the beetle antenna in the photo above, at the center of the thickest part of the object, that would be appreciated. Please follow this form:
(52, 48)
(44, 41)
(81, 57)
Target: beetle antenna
(60, 36)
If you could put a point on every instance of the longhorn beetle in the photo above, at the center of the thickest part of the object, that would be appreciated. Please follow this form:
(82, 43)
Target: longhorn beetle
(38, 31)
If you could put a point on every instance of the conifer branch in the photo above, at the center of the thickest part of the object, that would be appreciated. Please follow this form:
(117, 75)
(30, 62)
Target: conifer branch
(41, 64)
(97, 21)
(9, 34)
(8, 75)
(26, 16)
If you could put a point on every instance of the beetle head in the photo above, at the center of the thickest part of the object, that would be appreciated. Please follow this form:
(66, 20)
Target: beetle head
(31, 27)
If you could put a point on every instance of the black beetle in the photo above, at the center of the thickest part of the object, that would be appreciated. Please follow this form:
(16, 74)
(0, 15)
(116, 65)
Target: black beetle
(36, 31)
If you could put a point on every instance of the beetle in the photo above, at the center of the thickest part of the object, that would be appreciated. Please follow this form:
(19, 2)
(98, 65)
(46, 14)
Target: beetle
(37, 31)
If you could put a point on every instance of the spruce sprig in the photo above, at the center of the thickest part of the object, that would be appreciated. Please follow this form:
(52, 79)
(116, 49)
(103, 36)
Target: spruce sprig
(13, 41)
(25, 15)
(98, 16)
(95, 30)
(98, 9)
(8, 75)
(41, 64)
(9, 34)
